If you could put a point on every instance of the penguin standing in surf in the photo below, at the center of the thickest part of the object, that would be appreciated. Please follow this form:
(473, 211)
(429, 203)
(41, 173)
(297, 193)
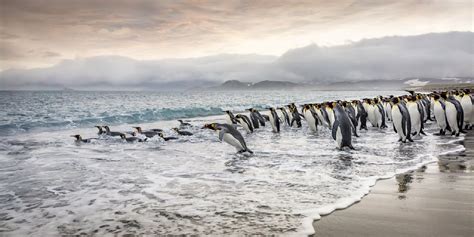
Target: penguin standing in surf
(284, 115)
(454, 114)
(439, 109)
(256, 118)
(245, 122)
(415, 116)
(274, 120)
(351, 113)
(230, 135)
(310, 117)
(401, 120)
(295, 116)
(341, 129)
(467, 106)
(230, 118)
(361, 114)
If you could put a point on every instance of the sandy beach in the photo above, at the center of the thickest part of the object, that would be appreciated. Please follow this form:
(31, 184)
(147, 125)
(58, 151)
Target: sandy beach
(435, 200)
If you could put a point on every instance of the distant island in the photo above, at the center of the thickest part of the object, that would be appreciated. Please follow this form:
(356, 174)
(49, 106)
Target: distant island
(402, 84)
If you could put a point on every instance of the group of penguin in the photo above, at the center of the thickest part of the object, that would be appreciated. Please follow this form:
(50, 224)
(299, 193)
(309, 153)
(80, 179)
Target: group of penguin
(138, 135)
(452, 111)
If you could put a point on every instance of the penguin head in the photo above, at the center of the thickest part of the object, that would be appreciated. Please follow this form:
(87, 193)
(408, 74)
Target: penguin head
(123, 136)
(77, 136)
(134, 134)
(209, 126)
(375, 101)
(160, 134)
(139, 129)
(176, 129)
(99, 127)
(444, 95)
(395, 100)
(106, 128)
(180, 120)
(344, 104)
(436, 97)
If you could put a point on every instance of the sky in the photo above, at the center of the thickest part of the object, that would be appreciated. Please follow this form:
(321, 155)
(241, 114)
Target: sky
(42, 33)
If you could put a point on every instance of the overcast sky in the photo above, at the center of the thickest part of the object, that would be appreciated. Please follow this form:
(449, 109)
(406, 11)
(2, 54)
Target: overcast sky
(40, 33)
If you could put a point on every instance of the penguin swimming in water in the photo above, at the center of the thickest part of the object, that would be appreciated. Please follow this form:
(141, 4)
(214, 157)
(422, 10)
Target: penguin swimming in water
(285, 116)
(230, 135)
(184, 124)
(182, 133)
(274, 120)
(132, 139)
(79, 139)
(401, 120)
(166, 138)
(101, 131)
(439, 109)
(230, 118)
(342, 128)
(148, 134)
(415, 116)
(110, 133)
(311, 117)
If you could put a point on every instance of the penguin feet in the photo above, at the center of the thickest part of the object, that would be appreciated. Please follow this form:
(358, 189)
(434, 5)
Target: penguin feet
(422, 132)
(409, 139)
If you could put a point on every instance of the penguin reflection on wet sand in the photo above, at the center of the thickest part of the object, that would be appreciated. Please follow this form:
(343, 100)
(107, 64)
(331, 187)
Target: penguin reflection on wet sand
(230, 135)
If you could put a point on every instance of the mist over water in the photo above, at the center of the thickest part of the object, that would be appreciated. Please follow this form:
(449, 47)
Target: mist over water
(195, 185)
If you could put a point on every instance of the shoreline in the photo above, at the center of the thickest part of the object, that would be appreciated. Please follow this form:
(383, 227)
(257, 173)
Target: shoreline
(433, 200)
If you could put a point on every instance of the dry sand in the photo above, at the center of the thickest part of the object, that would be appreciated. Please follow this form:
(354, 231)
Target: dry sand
(436, 200)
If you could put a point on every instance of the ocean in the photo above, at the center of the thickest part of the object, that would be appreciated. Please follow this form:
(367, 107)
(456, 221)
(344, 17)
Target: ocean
(51, 186)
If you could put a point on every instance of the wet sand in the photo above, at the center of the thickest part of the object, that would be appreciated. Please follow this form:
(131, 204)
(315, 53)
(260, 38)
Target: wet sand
(435, 200)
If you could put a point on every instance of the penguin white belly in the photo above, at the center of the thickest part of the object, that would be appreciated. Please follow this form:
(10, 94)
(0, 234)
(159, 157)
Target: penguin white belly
(451, 116)
(331, 117)
(414, 118)
(280, 114)
(466, 104)
(244, 125)
(388, 111)
(272, 122)
(228, 120)
(321, 118)
(310, 120)
(356, 111)
(339, 137)
(371, 115)
(439, 115)
(377, 117)
(233, 141)
(397, 121)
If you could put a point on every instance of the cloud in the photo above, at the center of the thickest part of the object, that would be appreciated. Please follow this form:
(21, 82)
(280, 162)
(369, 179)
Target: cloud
(430, 55)
(149, 29)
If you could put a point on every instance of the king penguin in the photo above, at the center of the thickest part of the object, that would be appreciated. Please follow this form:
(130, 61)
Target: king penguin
(401, 120)
(230, 135)
(341, 129)
(454, 114)
(274, 120)
(415, 116)
(310, 117)
(245, 122)
(439, 109)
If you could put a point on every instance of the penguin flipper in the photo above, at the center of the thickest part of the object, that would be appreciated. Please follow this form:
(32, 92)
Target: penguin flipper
(222, 132)
(334, 129)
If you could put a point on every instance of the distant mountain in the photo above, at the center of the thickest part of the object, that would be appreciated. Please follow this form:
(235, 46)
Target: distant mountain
(262, 85)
